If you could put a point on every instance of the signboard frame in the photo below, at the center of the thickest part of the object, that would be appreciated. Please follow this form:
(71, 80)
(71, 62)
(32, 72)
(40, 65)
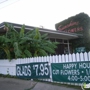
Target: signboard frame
(72, 72)
(33, 70)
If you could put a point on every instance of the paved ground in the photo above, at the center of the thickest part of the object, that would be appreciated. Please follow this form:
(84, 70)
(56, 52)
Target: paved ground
(44, 86)
(16, 84)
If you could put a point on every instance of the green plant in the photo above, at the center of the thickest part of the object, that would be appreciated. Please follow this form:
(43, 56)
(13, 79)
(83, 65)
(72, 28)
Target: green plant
(40, 45)
(12, 43)
(20, 44)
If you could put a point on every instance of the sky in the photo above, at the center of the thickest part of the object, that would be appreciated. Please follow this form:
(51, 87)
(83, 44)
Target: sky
(41, 13)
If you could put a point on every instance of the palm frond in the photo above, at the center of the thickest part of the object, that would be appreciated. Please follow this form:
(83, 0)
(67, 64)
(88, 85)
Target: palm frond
(44, 36)
(27, 53)
(48, 49)
(17, 50)
(37, 34)
(6, 50)
(42, 52)
(22, 31)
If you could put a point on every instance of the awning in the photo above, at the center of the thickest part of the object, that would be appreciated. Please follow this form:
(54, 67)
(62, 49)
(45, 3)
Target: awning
(51, 33)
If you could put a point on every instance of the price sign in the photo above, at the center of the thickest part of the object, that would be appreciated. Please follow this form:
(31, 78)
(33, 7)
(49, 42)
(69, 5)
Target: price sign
(33, 70)
(78, 72)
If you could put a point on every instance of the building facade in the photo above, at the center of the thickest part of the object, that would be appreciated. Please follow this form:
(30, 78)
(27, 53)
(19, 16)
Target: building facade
(79, 24)
(60, 36)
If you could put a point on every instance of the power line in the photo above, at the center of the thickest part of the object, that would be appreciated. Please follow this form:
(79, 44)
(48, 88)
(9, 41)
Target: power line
(3, 1)
(8, 4)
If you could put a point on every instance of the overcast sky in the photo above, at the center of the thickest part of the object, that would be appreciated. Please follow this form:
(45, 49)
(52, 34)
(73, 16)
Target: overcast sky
(39, 13)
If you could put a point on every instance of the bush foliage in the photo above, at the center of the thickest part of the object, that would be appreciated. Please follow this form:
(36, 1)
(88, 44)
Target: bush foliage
(20, 44)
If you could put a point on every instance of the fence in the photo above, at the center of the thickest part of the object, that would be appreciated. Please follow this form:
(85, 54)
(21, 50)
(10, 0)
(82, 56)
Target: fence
(9, 67)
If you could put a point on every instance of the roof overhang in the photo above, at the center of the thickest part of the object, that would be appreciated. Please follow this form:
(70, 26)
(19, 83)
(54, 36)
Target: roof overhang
(51, 33)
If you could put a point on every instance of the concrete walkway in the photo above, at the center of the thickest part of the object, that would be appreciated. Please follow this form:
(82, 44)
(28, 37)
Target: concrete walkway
(16, 84)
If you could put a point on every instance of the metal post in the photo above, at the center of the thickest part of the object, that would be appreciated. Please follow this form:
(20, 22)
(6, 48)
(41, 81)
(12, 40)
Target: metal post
(68, 47)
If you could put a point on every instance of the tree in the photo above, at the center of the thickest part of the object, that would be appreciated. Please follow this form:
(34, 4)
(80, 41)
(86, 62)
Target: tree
(20, 44)
(82, 27)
